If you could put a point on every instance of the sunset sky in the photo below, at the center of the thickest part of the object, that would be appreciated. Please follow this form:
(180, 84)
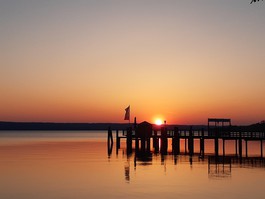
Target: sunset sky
(87, 60)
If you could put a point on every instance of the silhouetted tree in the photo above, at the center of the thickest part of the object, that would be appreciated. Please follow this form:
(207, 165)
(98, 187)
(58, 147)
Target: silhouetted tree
(254, 1)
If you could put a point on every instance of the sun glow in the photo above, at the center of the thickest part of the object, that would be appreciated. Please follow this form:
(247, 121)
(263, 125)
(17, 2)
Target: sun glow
(158, 122)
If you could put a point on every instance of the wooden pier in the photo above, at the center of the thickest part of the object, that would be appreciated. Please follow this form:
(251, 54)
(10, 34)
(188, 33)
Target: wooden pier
(221, 130)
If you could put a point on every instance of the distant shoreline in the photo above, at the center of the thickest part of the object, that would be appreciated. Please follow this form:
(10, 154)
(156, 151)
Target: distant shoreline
(59, 126)
(73, 126)
(50, 126)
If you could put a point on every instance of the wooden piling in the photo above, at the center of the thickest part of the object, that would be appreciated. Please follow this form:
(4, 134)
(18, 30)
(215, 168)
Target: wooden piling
(164, 142)
(236, 146)
(202, 144)
(246, 147)
(223, 147)
(154, 138)
(216, 143)
(176, 141)
(110, 141)
(143, 148)
(118, 144)
(148, 143)
(261, 148)
(240, 145)
(185, 140)
(136, 143)
(110, 137)
(156, 142)
(191, 142)
(129, 140)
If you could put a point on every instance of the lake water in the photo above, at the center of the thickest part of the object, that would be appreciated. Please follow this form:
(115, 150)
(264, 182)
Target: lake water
(76, 164)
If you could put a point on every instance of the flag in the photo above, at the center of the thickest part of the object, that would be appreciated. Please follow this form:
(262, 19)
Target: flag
(127, 113)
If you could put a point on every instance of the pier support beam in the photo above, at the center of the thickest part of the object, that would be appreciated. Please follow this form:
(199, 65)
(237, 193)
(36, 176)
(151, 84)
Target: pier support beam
(156, 142)
(110, 141)
(129, 140)
(236, 146)
(240, 145)
(164, 142)
(110, 137)
(216, 146)
(246, 147)
(185, 140)
(261, 148)
(191, 142)
(176, 142)
(216, 142)
(148, 142)
(136, 144)
(118, 144)
(223, 147)
(143, 144)
(202, 144)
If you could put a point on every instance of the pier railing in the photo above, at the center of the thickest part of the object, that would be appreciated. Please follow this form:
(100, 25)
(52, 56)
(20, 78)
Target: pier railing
(205, 134)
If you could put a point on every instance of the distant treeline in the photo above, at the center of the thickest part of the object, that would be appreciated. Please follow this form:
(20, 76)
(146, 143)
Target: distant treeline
(104, 126)
(78, 126)
(59, 126)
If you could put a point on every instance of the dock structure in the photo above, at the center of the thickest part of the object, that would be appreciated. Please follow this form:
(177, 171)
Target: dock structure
(218, 129)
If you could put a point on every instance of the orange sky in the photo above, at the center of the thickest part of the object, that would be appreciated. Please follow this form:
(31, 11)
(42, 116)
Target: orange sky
(87, 61)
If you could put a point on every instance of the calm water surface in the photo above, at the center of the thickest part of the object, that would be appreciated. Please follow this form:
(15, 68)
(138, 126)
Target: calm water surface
(76, 164)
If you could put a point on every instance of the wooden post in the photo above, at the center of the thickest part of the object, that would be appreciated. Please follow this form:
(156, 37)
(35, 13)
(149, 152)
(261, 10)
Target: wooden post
(246, 147)
(154, 138)
(261, 148)
(164, 143)
(136, 143)
(176, 141)
(191, 142)
(110, 137)
(216, 142)
(136, 140)
(185, 145)
(240, 144)
(110, 141)
(223, 147)
(143, 140)
(236, 146)
(202, 144)
(148, 144)
(129, 140)
(156, 142)
(117, 139)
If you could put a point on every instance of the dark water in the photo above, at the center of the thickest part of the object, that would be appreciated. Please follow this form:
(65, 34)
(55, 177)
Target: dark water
(76, 164)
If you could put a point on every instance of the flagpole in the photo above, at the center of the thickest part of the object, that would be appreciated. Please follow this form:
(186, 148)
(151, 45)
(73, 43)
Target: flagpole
(130, 115)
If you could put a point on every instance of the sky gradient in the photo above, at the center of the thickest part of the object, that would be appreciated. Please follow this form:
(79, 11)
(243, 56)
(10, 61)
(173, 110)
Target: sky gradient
(86, 61)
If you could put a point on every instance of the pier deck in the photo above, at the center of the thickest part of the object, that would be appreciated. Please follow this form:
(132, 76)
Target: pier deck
(189, 135)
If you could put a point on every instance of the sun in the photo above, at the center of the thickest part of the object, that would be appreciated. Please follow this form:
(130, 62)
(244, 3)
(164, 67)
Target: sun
(158, 122)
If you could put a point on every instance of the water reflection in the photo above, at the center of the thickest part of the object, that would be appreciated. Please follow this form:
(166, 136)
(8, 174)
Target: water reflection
(127, 170)
(62, 168)
(218, 166)
(143, 159)
(110, 147)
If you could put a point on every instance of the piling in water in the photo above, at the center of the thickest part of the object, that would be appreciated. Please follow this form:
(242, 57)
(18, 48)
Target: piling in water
(164, 142)
(176, 142)
(191, 142)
